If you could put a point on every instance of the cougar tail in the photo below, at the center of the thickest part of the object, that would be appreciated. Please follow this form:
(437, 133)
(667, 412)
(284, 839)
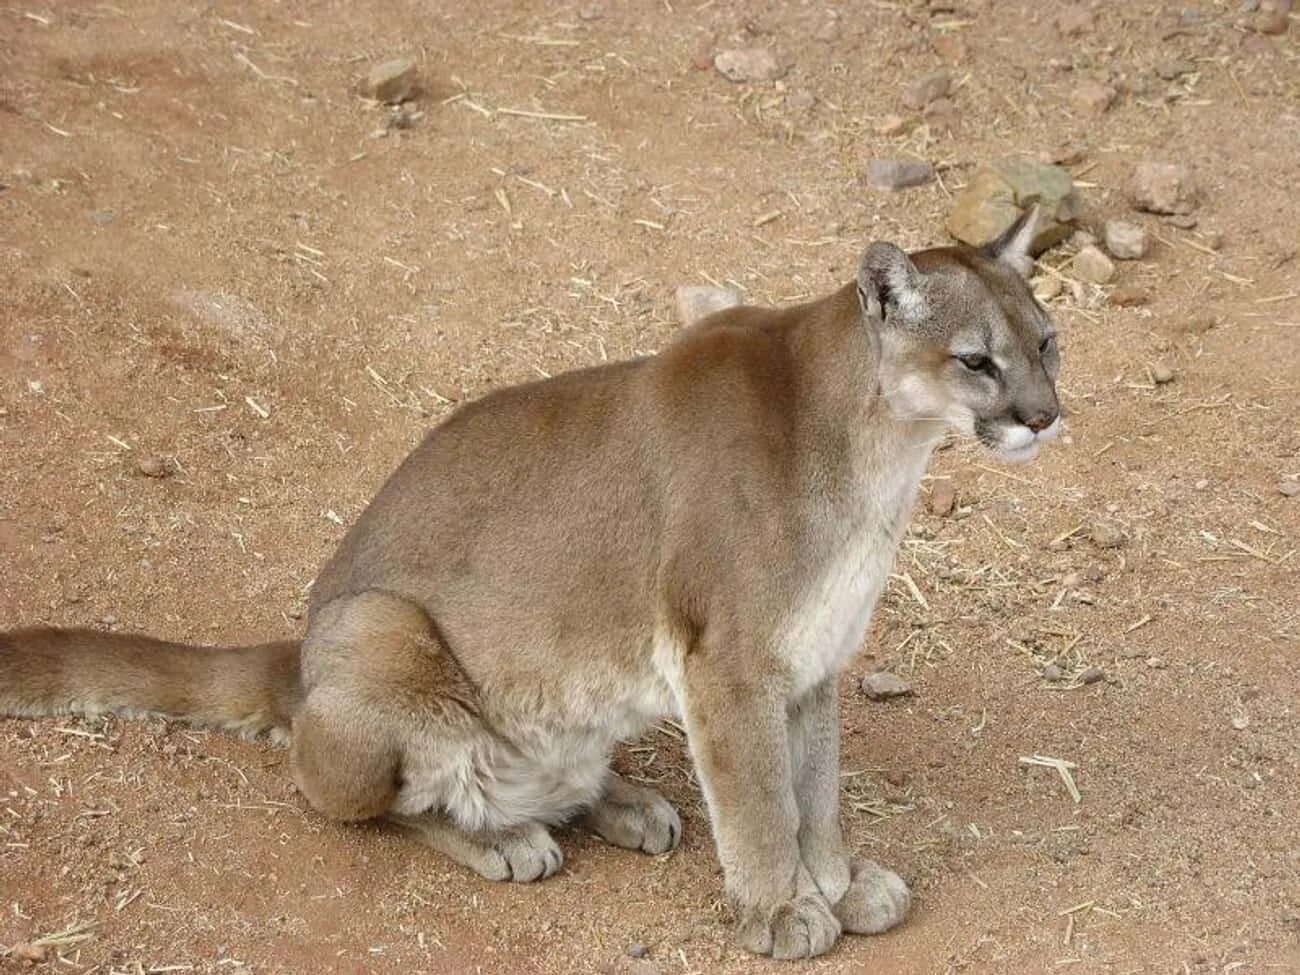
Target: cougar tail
(249, 690)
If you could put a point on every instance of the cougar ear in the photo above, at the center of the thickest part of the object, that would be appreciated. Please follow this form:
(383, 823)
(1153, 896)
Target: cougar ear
(1012, 245)
(887, 278)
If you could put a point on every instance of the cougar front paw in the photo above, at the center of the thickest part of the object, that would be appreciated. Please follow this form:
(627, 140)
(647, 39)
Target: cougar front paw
(522, 855)
(877, 899)
(636, 818)
(802, 927)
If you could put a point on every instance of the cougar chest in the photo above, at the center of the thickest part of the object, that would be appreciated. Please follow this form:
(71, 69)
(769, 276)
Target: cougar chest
(829, 617)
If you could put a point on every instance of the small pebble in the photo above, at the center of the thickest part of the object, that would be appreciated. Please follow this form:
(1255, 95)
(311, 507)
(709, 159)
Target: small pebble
(748, 64)
(894, 125)
(1090, 675)
(24, 951)
(898, 174)
(1289, 489)
(1161, 187)
(1162, 373)
(1270, 22)
(926, 89)
(1075, 20)
(636, 950)
(1047, 288)
(1126, 241)
(1052, 672)
(1093, 266)
(882, 685)
(1093, 97)
(1240, 723)
(1106, 534)
(943, 498)
(1072, 580)
(1129, 297)
(1156, 663)
(151, 465)
(392, 81)
(1130, 653)
(1171, 70)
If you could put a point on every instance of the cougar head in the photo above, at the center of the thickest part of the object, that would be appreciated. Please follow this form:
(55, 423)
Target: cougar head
(962, 339)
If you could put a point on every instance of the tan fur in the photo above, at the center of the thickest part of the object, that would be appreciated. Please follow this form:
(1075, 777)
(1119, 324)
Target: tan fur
(701, 533)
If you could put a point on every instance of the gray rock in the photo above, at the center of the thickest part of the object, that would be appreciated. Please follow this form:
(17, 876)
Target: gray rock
(392, 82)
(1090, 675)
(1126, 241)
(882, 685)
(997, 193)
(1052, 672)
(943, 498)
(926, 89)
(1093, 266)
(898, 174)
(748, 64)
(1163, 188)
(1289, 489)
(1162, 373)
(1046, 288)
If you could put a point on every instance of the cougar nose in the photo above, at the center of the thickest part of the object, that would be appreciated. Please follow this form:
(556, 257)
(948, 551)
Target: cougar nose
(1039, 421)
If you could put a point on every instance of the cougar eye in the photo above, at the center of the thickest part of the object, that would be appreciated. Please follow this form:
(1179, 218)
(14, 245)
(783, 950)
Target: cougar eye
(1046, 344)
(976, 362)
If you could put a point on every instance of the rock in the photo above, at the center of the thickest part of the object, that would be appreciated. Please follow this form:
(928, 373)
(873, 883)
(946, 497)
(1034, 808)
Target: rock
(1258, 45)
(1270, 22)
(151, 465)
(1129, 297)
(1171, 70)
(1163, 188)
(1052, 672)
(1066, 154)
(1162, 373)
(1288, 488)
(696, 301)
(894, 125)
(1093, 97)
(898, 174)
(1126, 241)
(1240, 723)
(1090, 675)
(1106, 534)
(999, 191)
(943, 498)
(827, 32)
(748, 64)
(882, 685)
(1046, 288)
(1082, 238)
(1197, 324)
(950, 48)
(637, 950)
(800, 100)
(1075, 21)
(1213, 239)
(1072, 580)
(1093, 266)
(1156, 663)
(392, 82)
(926, 89)
(25, 951)
(941, 115)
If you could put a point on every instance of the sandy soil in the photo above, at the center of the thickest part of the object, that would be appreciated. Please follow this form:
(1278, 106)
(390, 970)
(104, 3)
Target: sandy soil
(213, 261)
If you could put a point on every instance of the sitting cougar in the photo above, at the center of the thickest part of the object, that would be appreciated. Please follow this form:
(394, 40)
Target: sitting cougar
(700, 533)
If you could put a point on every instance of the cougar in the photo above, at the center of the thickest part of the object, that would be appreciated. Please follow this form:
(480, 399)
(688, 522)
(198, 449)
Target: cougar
(700, 533)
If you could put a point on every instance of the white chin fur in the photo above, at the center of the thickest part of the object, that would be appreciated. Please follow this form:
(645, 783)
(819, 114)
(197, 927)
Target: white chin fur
(1019, 444)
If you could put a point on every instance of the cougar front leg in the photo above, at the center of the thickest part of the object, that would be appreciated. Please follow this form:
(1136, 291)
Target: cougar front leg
(737, 727)
(866, 897)
(815, 756)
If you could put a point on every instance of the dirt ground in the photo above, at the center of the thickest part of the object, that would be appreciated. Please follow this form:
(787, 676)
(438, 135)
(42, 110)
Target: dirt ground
(219, 263)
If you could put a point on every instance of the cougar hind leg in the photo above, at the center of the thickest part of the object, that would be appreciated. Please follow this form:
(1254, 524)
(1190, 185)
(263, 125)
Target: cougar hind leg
(390, 727)
(380, 689)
